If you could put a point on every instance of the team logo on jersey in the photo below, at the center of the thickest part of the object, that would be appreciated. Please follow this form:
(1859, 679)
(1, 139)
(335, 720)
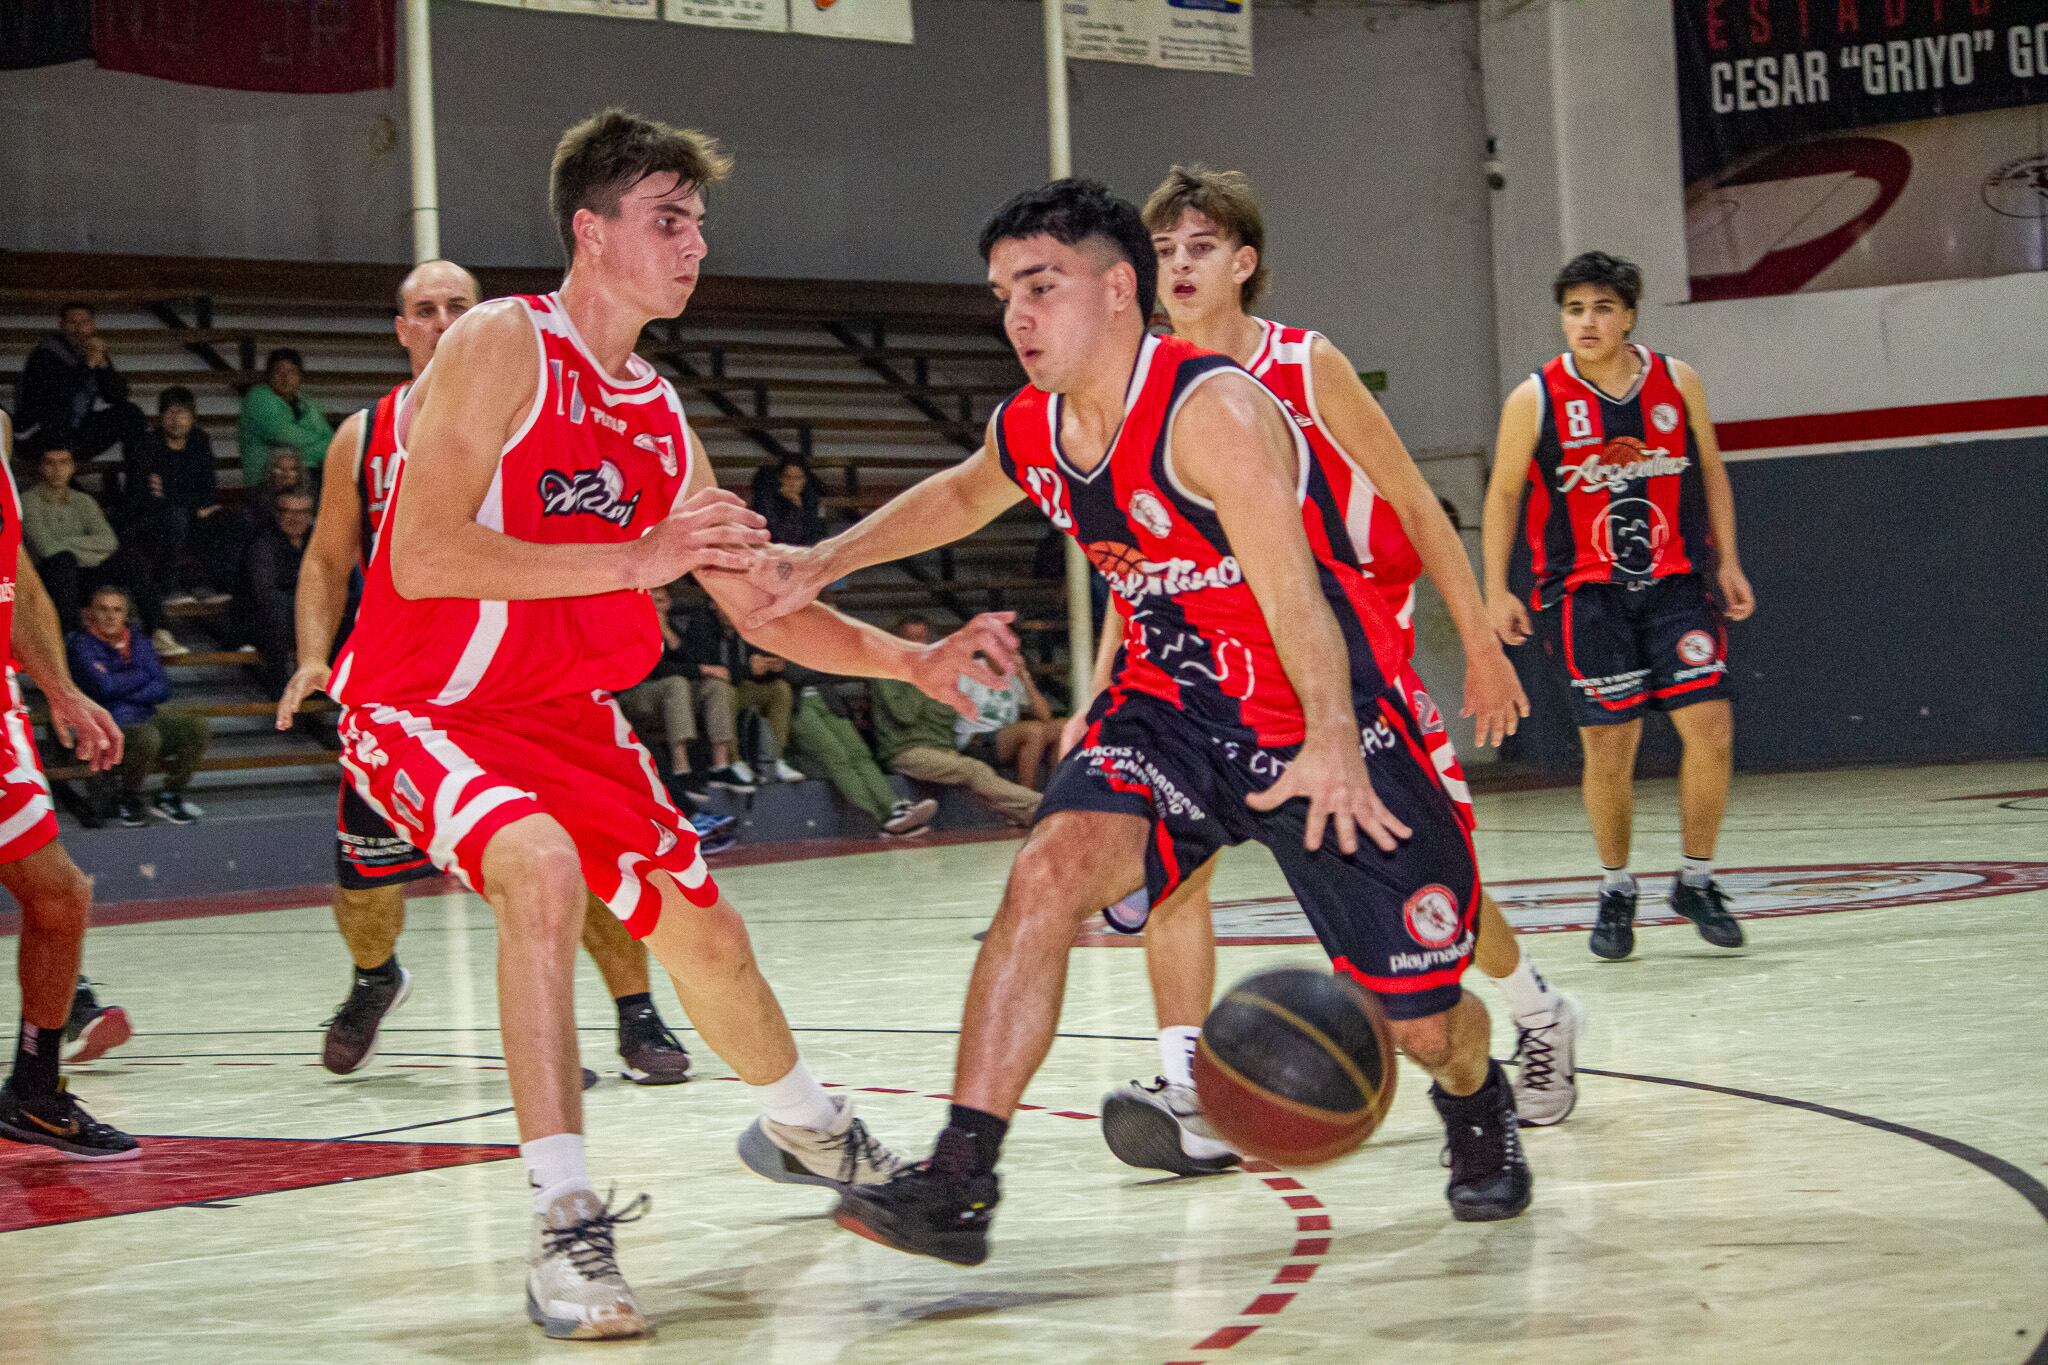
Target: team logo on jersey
(664, 446)
(1426, 715)
(1050, 494)
(1695, 647)
(1631, 534)
(665, 839)
(369, 752)
(1432, 917)
(1150, 513)
(1664, 417)
(1623, 461)
(600, 492)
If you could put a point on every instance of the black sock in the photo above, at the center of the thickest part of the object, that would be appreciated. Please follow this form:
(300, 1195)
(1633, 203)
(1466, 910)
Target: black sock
(35, 1060)
(383, 973)
(1477, 1105)
(987, 1131)
(630, 1005)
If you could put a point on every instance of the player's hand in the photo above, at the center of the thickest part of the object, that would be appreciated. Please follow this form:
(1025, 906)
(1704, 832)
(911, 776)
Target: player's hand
(713, 529)
(309, 678)
(985, 649)
(1331, 776)
(83, 726)
(1738, 599)
(1073, 732)
(792, 576)
(1510, 618)
(1493, 695)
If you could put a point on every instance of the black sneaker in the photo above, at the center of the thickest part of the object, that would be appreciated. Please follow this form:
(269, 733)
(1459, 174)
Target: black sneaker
(352, 1032)
(93, 1030)
(61, 1122)
(171, 806)
(1708, 911)
(934, 1208)
(1614, 929)
(733, 778)
(1490, 1177)
(651, 1053)
(130, 812)
(687, 790)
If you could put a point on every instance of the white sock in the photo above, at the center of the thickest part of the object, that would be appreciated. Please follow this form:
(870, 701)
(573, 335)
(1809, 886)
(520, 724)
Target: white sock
(1177, 1053)
(1526, 990)
(554, 1166)
(797, 1100)
(1618, 878)
(1696, 871)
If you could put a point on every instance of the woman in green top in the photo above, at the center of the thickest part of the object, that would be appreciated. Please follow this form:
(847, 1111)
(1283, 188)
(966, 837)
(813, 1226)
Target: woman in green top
(275, 413)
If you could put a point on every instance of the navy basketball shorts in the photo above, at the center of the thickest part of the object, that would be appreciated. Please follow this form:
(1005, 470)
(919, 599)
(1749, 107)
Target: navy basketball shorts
(1401, 924)
(368, 853)
(1627, 647)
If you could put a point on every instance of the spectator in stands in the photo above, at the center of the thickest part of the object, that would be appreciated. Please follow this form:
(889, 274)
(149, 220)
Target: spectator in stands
(729, 680)
(665, 704)
(824, 743)
(70, 394)
(271, 582)
(914, 736)
(277, 413)
(173, 506)
(283, 473)
(1013, 725)
(117, 668)
(75, 550)
(787, 495)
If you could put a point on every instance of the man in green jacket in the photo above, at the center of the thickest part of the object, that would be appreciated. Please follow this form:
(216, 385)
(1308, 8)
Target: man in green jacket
(914, 736)
(276, 413)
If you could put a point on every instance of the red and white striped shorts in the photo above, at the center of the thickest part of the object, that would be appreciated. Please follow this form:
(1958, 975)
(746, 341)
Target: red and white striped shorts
(28, 819)
(450, 778)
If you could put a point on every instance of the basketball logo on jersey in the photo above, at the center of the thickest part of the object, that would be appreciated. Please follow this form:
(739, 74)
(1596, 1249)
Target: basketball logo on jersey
(1150, 513)
(1432, 917)
(600, 492)
(1695, 647)
(1664, 417)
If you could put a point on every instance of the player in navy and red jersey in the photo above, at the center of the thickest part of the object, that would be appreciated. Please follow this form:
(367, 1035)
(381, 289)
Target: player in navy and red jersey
(546, 479)
(372, 862)
(1630, 529)
(54, 896)
(1188, 486)
(1210, 238)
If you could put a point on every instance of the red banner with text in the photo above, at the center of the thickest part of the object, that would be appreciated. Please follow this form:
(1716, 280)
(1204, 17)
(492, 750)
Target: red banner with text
(302, 47)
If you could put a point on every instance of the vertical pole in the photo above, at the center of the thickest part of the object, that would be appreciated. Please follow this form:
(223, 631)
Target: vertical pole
(419, 100)
(1080, 617)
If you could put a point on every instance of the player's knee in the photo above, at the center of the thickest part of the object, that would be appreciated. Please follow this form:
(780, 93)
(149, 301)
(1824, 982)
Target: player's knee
(542, 881)
(719, 947)
(1711, 727)
(1052, 879)
(1428, 1041)
(60, 903)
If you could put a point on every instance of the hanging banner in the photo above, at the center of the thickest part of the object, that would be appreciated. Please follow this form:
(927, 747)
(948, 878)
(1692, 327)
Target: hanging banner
(281, 46)
(609, 9)
(1179, 35)
(771, 16)
(880, 21)
(1860, 143)
(1113, 31)
(44, 32)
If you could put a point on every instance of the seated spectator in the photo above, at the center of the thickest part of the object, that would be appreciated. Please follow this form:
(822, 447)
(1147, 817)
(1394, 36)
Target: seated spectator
(769, 695)
(729, 680)
(664, 704)
(173, 506)
(271, 583)
(70, 395)
(75, 550)
(914, 736)
(825, 745)
(117, 668)
(276, 413)
(787, 495)
(1013, 725)
(283, 473)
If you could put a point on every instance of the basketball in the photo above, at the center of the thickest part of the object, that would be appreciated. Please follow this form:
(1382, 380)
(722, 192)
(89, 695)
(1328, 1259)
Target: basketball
(1295, 1065)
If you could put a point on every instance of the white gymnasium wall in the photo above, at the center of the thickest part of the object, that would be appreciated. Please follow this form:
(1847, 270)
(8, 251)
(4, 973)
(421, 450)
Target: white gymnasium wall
(1582, 94)
(856, 160)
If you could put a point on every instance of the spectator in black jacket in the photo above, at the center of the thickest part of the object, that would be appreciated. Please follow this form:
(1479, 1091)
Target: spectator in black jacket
(70, 394)
(273, 584)
(173, 506)
(787, 495)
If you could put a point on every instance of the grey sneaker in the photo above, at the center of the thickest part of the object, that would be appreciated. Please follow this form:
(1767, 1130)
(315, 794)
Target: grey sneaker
(1159, 1125)
(839, 1157)
(909, 817)
(573, 1286)
(1546, 1083)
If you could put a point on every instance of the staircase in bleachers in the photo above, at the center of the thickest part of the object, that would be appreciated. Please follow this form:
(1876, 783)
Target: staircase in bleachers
(877, 385)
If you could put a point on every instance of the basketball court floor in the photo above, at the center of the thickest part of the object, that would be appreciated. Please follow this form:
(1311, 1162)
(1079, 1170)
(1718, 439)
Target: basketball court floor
(1828, 1147)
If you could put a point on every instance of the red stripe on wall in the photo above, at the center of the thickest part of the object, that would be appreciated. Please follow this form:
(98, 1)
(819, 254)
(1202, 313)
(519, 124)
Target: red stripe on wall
(1925, 419)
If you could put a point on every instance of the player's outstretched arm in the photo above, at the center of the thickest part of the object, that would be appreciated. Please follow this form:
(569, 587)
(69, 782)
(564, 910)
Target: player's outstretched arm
(937, 511)
(1514, 445)
(1738, 599)
(1493, 694)
(463, 410)
(1232, 447)
(331, 554)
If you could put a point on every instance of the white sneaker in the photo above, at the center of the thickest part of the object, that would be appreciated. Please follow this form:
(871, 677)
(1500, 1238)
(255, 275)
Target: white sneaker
(784, 773)
(839, 1157)
(180, 599)
(910, 817)
(166, 645)
(1159, 1125)
(573, 1286)
(213, 597)
(743, 770)
(1546, 1082)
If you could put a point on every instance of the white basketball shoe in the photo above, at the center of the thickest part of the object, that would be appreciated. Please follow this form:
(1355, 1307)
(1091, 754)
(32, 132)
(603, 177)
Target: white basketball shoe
(1546, 1083)
(1159, 1125)
(839, 1157)
(573, 1286)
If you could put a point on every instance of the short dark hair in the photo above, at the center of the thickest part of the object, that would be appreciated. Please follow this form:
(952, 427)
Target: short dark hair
(283, 353)
(114, 588)
(909, 619)
(1073, 211)
(73, 304)
(601, 158)
(1226, 199)
(1625, 278)
(176, 396)
(54, 448)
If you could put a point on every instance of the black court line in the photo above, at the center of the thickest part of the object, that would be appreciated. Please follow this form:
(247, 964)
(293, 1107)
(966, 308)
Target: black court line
(430, 1123)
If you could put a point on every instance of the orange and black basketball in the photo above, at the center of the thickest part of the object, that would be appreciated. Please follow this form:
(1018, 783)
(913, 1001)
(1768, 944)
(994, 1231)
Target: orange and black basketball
(1295, 1065)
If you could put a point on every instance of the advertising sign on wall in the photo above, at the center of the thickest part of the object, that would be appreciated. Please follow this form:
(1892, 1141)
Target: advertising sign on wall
(1182, 35)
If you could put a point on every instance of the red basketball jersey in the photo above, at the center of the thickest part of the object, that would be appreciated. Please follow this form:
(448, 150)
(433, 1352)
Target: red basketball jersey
(599, 459)
(1384, 552)
(10, 549)
(1615, 493)
(377, 465)
(1193, 632)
